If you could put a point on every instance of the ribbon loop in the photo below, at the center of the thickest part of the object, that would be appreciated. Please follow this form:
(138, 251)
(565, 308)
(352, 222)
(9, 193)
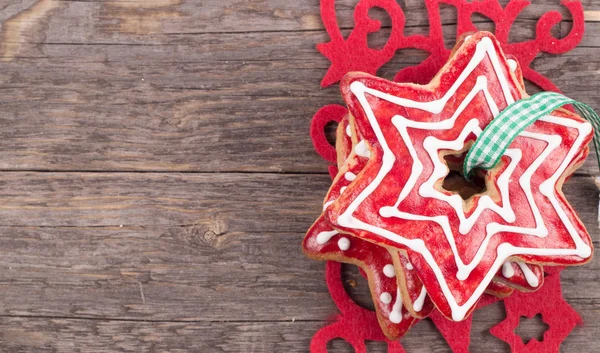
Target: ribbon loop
(492, 143)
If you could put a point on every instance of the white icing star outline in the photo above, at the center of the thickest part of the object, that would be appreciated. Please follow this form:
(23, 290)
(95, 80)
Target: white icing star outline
(484, 48)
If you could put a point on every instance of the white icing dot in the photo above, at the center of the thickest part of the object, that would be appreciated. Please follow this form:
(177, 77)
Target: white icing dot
(348, 131)
(507, 270)
(343, 189)
(350, 176)
(418, 304)
(362, 150)
(530, 277)
(344, 244)
(327, 204)
(388, 271)
(512, 64)
(409, 266)
(385, 298)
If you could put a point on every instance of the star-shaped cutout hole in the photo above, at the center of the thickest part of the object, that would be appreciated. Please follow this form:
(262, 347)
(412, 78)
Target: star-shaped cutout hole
(548, 302)
(532, 328)
(455, 182)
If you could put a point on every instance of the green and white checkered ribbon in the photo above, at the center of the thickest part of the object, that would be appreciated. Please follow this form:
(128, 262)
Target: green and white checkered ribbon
(490, 146)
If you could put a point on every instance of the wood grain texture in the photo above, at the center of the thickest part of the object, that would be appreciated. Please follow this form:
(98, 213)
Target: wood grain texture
(198, 103)
(157, 247)
(124, 19)
(156, 174)
(91, 336)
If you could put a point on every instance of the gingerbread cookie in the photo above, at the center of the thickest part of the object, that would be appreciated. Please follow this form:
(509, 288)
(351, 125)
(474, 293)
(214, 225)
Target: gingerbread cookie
(457, 246)
(513, 274)
(374, 262)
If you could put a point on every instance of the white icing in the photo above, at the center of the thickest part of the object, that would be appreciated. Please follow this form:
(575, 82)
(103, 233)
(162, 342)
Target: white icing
(418, 304)
(530, 277)
(327, 204)
(512, 64)
(350, 176)
(507, 270)
(385, 298)
(388, 271)
(362, 150)
(348, 131)
(342, 189)
(484, 48)
(324, 237)
(344, 244)
(396, 314)
(409, 266)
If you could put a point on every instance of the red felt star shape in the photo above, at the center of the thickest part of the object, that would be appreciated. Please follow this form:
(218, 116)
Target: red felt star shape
(555, 311)
(456, 246)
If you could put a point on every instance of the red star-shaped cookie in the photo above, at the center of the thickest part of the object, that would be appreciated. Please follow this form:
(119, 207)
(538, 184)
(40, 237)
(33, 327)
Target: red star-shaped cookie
(352, 157)
(457, 246)
(325, 243)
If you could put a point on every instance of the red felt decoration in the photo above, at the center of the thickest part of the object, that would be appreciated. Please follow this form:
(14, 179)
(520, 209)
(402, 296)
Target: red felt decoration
(354, 323)
(458, 334)
(323, 117)
(354, 54)
(547, 301)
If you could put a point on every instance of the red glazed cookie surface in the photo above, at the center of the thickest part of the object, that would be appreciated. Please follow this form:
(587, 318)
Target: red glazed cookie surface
(325, 243)
(457, 245)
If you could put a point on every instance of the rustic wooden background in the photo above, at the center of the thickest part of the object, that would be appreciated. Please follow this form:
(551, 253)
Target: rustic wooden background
(156, 175)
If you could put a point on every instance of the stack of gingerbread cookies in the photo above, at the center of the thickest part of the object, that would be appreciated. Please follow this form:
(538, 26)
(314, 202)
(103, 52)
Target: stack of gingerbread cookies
(425, 236)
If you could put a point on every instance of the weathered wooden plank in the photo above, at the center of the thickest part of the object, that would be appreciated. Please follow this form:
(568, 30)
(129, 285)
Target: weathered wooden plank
(118, 20)
(590, 38)
(221, 202)
(63, 335)
(69, 335)
(192, 247)
(57, 335)
(159, 273)
(179, 108)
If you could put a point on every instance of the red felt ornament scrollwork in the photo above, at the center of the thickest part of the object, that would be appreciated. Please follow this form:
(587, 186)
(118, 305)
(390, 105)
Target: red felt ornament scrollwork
(354, 53)
(355, 324)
